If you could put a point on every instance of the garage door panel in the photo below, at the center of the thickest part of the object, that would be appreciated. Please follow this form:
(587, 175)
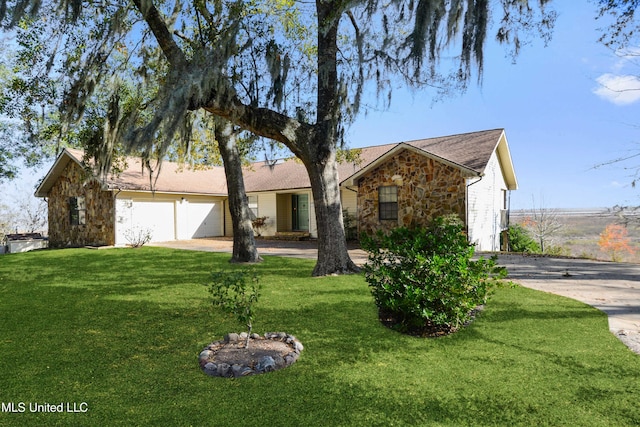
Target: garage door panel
(204, 219)
(156, 216)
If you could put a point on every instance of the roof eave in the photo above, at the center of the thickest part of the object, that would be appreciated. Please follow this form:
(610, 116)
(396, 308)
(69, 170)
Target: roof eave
(506, 162)
(352, 180)
(54, 173)
(167, 192)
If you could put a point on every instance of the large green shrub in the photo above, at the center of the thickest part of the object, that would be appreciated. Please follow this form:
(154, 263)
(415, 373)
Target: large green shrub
(424, 281)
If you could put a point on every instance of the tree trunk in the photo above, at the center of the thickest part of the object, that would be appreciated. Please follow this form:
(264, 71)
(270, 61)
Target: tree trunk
(320, 152)
(333, 257)
(244, 244)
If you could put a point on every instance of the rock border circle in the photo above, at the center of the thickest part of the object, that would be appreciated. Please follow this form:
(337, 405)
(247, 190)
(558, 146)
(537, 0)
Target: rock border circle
(213, 367)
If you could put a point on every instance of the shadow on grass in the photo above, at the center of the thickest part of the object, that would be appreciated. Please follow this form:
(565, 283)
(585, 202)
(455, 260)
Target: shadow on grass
(122, 331)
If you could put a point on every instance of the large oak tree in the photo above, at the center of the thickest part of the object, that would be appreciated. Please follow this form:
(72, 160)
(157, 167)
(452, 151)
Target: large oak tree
(293, 72)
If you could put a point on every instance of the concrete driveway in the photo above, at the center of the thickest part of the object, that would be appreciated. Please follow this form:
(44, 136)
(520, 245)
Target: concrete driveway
(613, 288)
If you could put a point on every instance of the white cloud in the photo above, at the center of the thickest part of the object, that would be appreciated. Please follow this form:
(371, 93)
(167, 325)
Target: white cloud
(618, 89)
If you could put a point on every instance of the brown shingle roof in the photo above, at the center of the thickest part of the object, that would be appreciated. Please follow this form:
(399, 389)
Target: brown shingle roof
(172, 179)
(291, 174)
(470, 150)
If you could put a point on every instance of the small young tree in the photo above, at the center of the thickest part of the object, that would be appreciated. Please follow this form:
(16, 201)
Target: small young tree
(614, 239)
(236, 292)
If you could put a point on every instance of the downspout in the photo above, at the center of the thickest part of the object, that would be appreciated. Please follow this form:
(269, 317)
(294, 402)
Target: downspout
(115, 214)
(466, 204)
(508, 224)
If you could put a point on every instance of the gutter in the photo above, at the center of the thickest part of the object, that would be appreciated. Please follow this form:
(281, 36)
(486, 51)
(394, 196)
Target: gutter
(466, 207)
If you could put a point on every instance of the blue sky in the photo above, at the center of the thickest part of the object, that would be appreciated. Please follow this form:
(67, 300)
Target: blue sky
(557, 127)
(560, 120)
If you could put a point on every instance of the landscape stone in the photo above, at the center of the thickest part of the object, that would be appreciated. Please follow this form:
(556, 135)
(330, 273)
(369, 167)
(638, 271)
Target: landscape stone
(211, 369)
(205, 354)
(223, 369)
(245, 366)
(266, 364)
(232, 337)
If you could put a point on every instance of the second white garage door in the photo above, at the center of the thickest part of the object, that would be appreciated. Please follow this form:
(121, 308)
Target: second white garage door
(204, 219)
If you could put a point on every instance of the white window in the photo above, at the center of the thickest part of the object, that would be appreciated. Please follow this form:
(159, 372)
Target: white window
(388, 202)
(253, 205)
(77, 211)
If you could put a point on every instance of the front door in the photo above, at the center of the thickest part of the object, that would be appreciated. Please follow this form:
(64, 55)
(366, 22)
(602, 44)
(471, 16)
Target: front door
(300, 205)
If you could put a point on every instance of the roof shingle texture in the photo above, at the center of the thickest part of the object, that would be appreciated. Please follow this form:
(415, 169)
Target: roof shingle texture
(470, 150)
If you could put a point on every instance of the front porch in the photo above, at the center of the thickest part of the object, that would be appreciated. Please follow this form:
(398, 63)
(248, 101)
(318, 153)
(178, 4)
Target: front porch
(292, 235)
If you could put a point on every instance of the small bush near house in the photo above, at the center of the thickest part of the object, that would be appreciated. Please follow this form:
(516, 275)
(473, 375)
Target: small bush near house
(236, 292)
(423, 279)
(138, 236)
(520, 240)
(259, 223)
(350, 225)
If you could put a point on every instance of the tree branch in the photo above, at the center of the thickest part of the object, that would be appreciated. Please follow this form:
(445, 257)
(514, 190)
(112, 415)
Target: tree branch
(169, 47)
(264, 122)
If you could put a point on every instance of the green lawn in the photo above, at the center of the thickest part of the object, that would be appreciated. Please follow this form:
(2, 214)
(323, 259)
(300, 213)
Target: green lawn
(121, 329)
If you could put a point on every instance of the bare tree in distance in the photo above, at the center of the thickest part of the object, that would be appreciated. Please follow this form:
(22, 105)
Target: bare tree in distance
(543, 224)
(26, 214)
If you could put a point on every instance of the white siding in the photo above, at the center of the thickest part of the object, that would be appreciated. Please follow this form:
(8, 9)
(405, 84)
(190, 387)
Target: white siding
(313, 225)
(349, 199)
(267, 206)
(485, 202)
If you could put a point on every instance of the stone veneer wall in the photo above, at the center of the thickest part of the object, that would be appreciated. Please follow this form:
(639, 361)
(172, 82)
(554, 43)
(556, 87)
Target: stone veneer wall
(98, 229)
(429, 189)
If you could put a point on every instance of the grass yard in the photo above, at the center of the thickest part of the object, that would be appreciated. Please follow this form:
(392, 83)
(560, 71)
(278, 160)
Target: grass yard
(121, 329)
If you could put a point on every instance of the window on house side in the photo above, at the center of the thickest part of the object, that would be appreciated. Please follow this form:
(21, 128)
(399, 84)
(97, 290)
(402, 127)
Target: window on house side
(77, 211)
(253, 205)
(388, 202)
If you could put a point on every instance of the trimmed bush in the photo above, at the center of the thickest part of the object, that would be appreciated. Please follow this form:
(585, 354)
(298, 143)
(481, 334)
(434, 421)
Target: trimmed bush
(424, 281)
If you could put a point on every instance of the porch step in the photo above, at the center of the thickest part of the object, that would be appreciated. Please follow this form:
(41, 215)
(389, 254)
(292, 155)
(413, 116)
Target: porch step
(292, 235)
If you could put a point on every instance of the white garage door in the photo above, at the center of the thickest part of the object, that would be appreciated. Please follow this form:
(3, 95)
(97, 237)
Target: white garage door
(156, 216)
(204, 219)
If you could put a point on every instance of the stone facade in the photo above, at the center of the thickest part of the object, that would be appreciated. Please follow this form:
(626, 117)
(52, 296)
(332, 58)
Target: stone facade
(426, 189)
(98, 227)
